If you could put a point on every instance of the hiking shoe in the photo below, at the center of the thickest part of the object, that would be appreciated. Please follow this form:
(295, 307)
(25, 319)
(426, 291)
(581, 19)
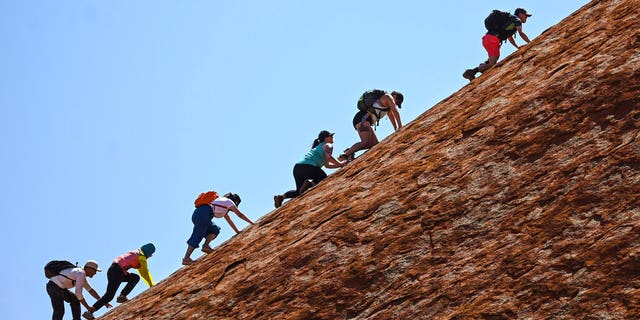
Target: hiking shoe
(122, 299)
(88, 315)
(277, 201)
(469, 74)
(348, 157)
(186, 262)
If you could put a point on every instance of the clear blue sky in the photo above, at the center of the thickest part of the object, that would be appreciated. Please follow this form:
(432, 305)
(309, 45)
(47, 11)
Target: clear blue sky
(115, 114)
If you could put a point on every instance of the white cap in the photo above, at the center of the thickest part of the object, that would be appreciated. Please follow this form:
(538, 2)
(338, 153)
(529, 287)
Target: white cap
(92, 264)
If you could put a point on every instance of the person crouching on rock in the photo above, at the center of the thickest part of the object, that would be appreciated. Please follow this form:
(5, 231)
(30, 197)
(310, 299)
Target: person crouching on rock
(203, 226)
(310, 168)
(118, 273)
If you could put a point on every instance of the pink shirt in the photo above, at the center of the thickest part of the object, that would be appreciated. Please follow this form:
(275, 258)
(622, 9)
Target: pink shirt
(128, 260)
(135, 259)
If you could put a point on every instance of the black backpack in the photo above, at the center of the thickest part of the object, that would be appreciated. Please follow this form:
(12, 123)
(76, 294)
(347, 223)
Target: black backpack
(501, 24)
(366, 101)
(53, 267)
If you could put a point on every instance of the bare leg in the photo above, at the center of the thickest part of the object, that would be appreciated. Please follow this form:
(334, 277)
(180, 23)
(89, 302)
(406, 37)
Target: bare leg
(368, 138)
(187, 256)
(205, 247)
(488, 64)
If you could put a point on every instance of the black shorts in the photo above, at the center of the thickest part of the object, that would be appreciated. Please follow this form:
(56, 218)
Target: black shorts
(360, 117)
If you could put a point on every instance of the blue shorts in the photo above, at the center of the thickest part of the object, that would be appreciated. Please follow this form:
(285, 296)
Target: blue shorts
(202, 225)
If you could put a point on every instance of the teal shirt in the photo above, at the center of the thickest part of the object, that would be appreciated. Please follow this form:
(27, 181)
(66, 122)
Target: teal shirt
(315, 156)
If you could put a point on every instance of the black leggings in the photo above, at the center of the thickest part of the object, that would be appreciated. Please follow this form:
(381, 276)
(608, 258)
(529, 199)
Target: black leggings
(302, 172)
(116, 276)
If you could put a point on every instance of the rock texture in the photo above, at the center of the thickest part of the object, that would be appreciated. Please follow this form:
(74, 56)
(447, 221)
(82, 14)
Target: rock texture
(515, 198)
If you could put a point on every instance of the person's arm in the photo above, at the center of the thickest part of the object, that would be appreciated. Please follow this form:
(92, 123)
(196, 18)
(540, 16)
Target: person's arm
(87, 306)
(240, 215)
(144, 271)
(331, 162)
(513, 42)
(230, 222)
(394, 117)
(94, 294)
(522, 35)
(81, 283)
(393, 114)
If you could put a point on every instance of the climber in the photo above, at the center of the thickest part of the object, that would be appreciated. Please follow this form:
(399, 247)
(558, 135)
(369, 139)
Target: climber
(203, 226)
(501, 26)
(118, 273)
(373, 106)
(310, 167)
(72, 277)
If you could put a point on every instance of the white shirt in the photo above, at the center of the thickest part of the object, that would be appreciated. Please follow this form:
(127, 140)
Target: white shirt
(73, 274)
(221, 206)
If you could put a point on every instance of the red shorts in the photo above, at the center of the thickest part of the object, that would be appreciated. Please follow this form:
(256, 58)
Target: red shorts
(492, 44)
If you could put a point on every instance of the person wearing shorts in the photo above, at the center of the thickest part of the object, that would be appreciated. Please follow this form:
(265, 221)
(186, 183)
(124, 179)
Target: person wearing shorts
(363, 122)
(491, 42)
(203, 226)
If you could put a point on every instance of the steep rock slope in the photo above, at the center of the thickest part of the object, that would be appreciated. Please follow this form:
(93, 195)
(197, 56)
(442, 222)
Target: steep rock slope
(516, 197)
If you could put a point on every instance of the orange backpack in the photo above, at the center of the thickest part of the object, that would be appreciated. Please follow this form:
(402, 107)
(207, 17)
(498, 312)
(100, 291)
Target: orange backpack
(206, 198)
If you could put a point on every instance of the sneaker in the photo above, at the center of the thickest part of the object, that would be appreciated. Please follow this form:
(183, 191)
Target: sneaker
(469, 74)
(188, 261)
(88, 315)
(277, 201)
(122, 299)
(347, 157)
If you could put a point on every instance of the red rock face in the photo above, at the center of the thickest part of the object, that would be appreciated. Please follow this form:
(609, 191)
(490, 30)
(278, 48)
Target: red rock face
(516, 197)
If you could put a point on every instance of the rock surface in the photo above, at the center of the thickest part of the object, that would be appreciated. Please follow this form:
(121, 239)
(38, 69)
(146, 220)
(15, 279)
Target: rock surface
(515, 198)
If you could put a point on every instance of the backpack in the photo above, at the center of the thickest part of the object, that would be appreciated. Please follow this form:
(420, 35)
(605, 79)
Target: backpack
(205, 198)
(501, 24)
(366, 101)
(53, 267)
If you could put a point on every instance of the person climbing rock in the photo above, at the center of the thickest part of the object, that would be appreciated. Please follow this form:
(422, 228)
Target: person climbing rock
(72, 277)
(203, 226)
(118, 273)
(373, 106)
(501, 26)
(310, 167)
